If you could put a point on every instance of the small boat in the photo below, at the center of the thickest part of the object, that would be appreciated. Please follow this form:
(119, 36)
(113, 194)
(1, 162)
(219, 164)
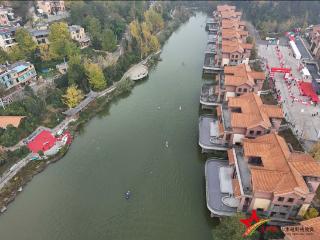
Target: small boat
(20, 189)
(159, 107)
(127, 195)
(167, 144)
(180, 108)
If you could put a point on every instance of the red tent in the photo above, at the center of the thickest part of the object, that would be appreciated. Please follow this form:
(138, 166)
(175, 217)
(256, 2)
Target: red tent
(42, 142)
(307, 90)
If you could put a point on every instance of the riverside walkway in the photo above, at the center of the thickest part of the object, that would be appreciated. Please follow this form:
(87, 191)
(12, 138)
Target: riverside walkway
(71, 116)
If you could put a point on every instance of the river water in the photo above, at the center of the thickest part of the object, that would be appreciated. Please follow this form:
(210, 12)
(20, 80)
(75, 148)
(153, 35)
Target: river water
(82, 196)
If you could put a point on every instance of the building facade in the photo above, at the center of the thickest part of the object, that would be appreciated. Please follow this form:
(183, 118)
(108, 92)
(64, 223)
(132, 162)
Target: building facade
(265, 175)
(7, 17)
(50, 7)
(78, 34)
(17, 74)
(7, 37)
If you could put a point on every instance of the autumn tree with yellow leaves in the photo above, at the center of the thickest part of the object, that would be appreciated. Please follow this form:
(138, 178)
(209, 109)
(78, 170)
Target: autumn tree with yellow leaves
(73, 96)
(95, 76)
(145, 33)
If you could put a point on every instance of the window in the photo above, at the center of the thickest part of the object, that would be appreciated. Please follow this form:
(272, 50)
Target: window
(282, 214)
(302, 199)
(245, 90)
(291, 200)
(251, 132)
(258, 132)
(272, 214)
(240, 89)
(280, 199)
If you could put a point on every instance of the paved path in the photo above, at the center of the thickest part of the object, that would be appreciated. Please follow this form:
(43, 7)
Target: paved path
(6, 176)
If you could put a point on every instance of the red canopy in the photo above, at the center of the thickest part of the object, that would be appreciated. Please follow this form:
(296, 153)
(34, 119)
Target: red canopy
(307, 89)
(42, 142)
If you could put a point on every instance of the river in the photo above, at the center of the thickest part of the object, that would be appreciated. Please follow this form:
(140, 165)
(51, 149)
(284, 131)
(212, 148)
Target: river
(82, 196)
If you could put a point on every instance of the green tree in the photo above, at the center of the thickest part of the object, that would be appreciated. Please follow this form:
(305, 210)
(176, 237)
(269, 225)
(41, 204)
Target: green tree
(3, 56)
(73, 96)
(93, 26)
(25, 42)
(311, 213)
(61, 44)
(15, 54)
(229, 228)
(108, 40)
(95, 76)
(76, 73)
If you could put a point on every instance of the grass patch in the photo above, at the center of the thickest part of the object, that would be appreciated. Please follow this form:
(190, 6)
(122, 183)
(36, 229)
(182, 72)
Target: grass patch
(292, 139)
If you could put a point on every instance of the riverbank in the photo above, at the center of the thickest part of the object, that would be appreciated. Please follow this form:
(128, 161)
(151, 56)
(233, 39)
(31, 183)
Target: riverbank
(97, 106)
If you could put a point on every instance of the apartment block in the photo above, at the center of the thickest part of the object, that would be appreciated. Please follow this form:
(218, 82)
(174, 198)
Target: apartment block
(16, 74)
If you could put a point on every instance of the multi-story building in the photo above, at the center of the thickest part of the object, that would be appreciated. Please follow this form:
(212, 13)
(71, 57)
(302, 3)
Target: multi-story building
(231, 35)
(40, 36)
(16, 74)
(240, 117)
(239, 80)
(7, 37)
(266, 175)
(50, 7)
(314, 37)
(7, 17)
(78, 34)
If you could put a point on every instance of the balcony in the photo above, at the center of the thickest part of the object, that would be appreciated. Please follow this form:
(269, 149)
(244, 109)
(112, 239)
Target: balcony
(208, 96)
(209, 135)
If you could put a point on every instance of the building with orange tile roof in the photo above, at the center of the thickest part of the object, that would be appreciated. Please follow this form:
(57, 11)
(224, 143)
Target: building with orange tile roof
(247, 116)
(5, 121)
(310, 230)
(241, 79)
(235, 52)
(273, 179)
(266, 175)
(243, 116)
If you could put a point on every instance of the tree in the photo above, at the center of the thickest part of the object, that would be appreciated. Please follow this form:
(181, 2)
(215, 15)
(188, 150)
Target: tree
(229, 228)
(315, 151)
(44, 52)
(15, 54)
(3, 56)
(311, 213)
(73, 96)
(93, 26)
(59, 31)
(61, 44)
(249, 39)
(108, 40)
(95, 76)
(154, 44)
(154, 20)
(76, 73)
(25, 42)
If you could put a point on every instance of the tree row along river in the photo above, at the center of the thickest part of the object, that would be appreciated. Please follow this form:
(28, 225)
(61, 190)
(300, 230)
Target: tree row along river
(82, 196)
